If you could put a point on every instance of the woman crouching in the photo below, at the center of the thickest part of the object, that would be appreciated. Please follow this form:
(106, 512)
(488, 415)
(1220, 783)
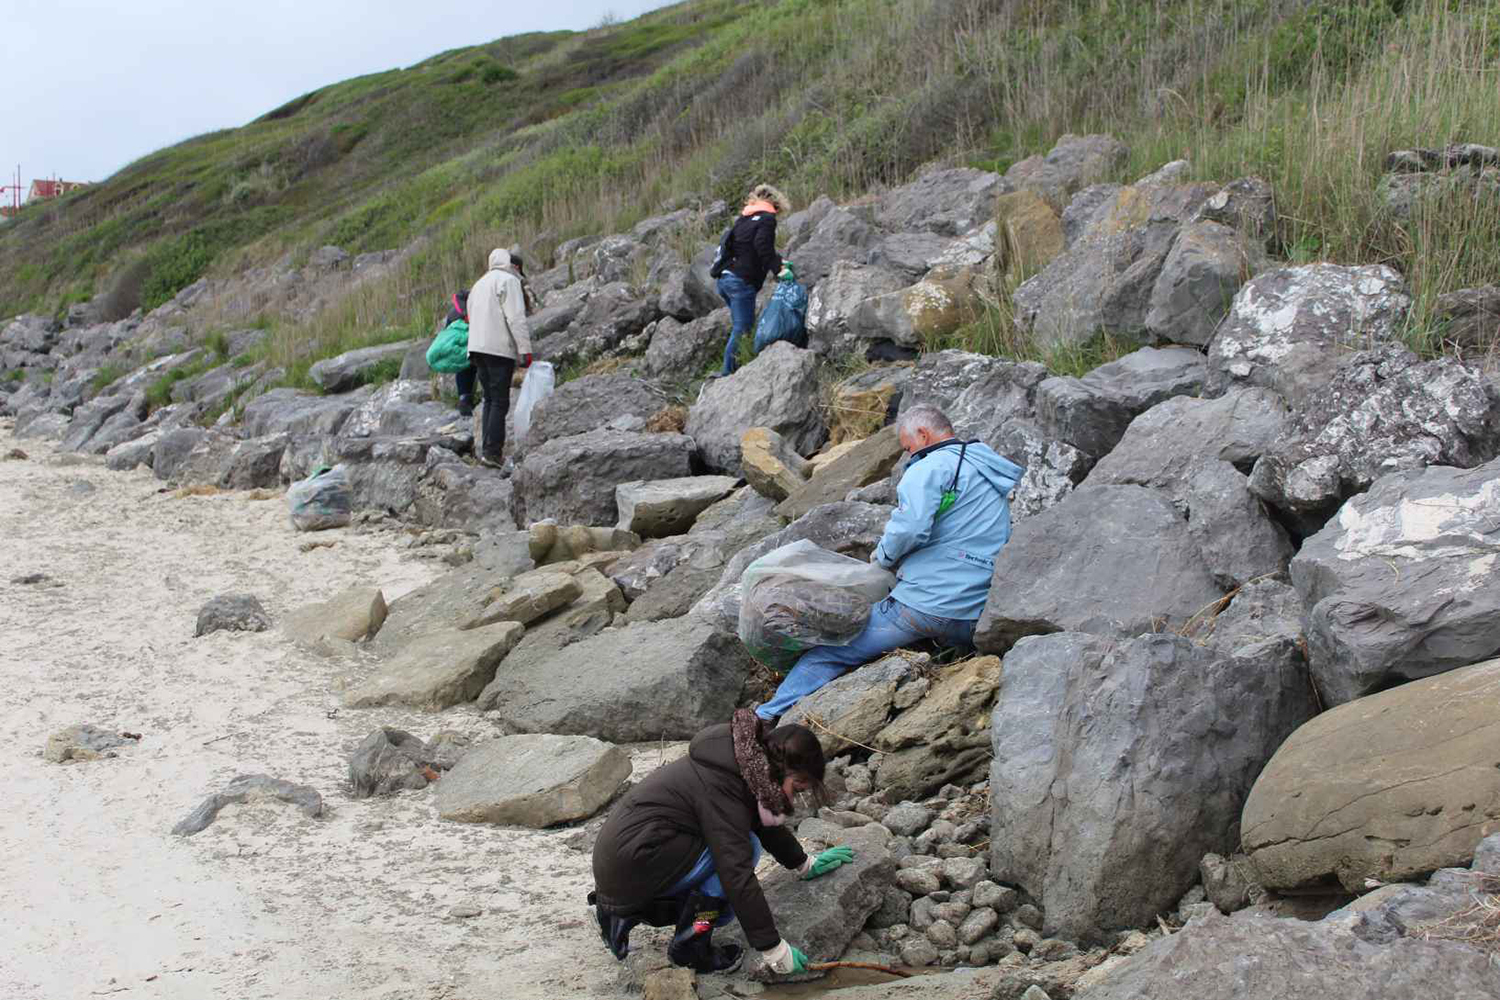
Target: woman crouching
(680, 849)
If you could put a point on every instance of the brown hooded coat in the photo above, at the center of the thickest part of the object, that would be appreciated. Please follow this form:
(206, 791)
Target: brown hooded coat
(656, 833)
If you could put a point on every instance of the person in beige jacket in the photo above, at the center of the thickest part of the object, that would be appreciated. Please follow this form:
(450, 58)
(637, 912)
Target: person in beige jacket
(499, 339)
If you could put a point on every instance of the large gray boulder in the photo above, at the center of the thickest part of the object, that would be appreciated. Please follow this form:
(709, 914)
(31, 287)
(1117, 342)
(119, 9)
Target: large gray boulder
(90, 417)
(836, 301)
(647, 681)
(1254, 956)
(1072, 164)
(825, 921)
(683, 350)
(454, 494)
(840, 235)
(1386, 787)
(217, 459)
(949, 202)
(1237, 536)
(1401, 585)
(1288, 329)
(1102, 855)
(1098, 285)
(533, 780)
(438, 670)
(1062, 569)
(779, 390)
(1162, 444)
(1204, 269)
(588, 403)
(614, 311)
(1382, 411)
(300, 414)
(572, 479)
(348, 370)
(1092, 413)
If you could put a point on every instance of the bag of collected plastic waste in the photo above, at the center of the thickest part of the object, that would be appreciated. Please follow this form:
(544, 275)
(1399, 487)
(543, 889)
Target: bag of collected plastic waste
(784, 317)
(535, 387)
(802, 595)
(322, 500)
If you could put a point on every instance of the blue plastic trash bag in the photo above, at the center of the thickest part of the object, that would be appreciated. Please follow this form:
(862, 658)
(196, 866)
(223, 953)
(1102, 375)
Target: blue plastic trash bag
(785, 318)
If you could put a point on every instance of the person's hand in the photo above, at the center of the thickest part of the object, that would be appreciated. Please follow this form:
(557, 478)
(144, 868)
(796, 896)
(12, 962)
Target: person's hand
(526, 360)
(829, 860)
(784, 959)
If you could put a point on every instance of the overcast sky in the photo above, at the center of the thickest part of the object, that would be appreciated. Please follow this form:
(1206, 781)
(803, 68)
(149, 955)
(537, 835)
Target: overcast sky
(93, 84)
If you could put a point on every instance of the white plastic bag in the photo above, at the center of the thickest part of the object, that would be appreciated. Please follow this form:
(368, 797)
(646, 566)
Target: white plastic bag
(535, 387)
(802, 595)
(322, 500)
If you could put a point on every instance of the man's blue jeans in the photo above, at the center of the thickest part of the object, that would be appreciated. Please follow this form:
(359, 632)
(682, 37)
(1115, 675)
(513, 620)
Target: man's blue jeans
(739, 296)
(704, 878)
(891, 626)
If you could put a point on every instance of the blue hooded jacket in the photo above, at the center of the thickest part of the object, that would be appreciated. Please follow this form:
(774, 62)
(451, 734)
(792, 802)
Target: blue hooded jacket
(944, 563)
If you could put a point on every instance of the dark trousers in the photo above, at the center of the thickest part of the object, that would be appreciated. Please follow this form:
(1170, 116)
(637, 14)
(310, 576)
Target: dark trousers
(464, 381)
(494, 376)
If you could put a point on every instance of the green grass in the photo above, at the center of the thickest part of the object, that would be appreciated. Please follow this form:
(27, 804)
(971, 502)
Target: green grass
(107, 375)
(159, 392)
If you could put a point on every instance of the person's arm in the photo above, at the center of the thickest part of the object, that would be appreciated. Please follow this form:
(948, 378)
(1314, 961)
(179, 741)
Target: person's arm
(911, 523)
(514, 302)
(765, 243)
(784, 847)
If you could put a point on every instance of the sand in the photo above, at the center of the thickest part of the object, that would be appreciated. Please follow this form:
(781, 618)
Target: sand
(99, 899)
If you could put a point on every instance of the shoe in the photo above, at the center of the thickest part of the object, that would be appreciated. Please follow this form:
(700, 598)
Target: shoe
(466, 406)
(491, 463)
(692, 945)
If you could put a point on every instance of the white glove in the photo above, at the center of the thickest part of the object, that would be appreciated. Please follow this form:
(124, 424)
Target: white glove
(782, 959)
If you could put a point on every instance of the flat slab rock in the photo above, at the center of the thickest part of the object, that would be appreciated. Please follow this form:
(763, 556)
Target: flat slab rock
(823, 915)
(1257, 957)
(437, 671)
(535, 780)
(245, 788)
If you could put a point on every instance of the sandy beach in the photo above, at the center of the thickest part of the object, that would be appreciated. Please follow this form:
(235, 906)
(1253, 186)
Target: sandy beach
(99, 899)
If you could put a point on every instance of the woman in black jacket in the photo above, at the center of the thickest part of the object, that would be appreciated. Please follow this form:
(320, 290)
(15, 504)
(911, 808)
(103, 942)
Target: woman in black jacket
(750, 255)
(681, 847)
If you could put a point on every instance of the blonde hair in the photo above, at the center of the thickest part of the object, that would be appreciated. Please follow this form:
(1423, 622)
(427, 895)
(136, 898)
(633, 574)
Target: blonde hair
(766, 192)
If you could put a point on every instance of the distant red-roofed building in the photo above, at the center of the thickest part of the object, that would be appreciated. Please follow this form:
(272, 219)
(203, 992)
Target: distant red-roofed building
(41, 190)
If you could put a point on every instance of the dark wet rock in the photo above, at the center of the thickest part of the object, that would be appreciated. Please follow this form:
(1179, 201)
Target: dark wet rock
(245, 788)
(572, 479)
(392, 760)
(232, 613)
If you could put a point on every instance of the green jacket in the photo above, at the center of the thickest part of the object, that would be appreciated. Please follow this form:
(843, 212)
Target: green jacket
(449, 352)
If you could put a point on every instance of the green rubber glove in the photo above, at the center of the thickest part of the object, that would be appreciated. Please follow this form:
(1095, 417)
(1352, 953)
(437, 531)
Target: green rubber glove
(799, 960)
(829, 860)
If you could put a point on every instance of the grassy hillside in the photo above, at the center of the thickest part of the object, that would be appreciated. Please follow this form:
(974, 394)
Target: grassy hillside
(537, 138)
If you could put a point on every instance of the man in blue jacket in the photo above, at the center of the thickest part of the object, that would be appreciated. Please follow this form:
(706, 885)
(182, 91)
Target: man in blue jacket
(941, 541)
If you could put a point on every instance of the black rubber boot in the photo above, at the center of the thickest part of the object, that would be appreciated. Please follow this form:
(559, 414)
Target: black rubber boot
(615, 930)
(692, 945)
(465, 406)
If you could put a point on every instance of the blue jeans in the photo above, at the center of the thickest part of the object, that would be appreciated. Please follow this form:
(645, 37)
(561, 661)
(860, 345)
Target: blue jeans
(704, 878)
(891, 626)
(739, 296)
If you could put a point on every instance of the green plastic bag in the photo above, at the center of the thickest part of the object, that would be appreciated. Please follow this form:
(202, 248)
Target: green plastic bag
(449, 352)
